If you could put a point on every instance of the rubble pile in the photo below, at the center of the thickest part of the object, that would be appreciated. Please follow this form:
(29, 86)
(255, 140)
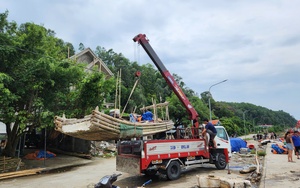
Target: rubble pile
(103, 148)
(249, 163)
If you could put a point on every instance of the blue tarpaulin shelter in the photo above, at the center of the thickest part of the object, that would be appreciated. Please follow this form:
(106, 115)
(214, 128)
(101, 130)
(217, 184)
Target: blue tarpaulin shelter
(237, 144)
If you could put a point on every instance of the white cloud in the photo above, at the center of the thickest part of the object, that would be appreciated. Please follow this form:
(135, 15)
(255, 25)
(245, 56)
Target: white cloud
(253, 44)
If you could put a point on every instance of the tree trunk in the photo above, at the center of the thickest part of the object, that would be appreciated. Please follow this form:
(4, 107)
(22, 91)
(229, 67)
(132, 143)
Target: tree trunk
(12, 140)
(9, 150)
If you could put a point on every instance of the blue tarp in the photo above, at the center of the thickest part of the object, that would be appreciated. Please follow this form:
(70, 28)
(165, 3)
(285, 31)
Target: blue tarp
(147, 116)
(237, 144)
(41, 154)
(277, 149)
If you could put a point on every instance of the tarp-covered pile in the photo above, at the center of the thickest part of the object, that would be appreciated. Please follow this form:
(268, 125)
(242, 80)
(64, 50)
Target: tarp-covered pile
(237, 144)
(278, 149)
(40, 155)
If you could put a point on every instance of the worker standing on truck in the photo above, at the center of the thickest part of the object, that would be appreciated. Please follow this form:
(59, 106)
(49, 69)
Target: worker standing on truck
(211, 130)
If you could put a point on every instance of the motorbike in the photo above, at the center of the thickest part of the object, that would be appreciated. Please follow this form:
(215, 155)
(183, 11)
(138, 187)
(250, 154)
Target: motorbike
(108, 180)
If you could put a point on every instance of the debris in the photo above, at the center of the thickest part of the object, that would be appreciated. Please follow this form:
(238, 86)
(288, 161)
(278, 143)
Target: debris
(265, 142)
(244, 150)
(8, 164)
(214, 181)
(248, 169)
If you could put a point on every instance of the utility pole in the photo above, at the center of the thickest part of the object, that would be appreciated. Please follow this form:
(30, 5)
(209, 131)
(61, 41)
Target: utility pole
(245, 122)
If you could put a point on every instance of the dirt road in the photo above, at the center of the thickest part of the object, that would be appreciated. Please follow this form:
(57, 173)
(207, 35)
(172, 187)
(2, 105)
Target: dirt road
(87, 175)
(92, 171)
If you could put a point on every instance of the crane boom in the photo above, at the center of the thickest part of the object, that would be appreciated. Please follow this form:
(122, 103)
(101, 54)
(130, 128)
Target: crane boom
(193, 115)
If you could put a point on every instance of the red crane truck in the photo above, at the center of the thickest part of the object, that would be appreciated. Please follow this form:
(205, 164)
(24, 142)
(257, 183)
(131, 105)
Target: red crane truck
(170, 156)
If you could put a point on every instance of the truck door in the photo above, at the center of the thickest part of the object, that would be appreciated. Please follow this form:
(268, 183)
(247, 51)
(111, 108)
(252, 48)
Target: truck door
(222, 139)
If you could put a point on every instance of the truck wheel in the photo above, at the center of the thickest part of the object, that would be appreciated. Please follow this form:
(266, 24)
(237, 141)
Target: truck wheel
(173, 170)
(220, 161)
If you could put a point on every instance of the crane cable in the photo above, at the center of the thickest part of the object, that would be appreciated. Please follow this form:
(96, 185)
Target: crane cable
(137, 74)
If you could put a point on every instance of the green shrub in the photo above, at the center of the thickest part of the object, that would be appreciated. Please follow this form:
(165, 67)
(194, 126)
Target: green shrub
(261, 153)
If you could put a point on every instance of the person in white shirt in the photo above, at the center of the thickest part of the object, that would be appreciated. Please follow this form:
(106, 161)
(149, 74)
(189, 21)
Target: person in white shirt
(297, 127)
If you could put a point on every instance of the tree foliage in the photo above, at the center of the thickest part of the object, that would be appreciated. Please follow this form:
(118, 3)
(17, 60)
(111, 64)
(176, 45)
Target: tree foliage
(37, 81)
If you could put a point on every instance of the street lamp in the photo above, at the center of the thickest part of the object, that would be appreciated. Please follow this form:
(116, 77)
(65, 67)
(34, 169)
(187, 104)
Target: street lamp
(244, 122)
(209, 105)
(254, 124)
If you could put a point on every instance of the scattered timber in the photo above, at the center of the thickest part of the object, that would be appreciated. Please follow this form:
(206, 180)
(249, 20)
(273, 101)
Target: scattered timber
(10, 168)
(20, 173)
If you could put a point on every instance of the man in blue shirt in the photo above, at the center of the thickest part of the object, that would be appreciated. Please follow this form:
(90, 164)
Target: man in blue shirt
(211, 130)
(296, 141)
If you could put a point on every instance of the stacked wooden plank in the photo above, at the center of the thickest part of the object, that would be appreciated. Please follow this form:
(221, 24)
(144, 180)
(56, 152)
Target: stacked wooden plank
(20, 173)
(102, 127)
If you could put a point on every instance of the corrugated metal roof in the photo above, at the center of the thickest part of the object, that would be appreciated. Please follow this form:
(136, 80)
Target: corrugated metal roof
(215, 122)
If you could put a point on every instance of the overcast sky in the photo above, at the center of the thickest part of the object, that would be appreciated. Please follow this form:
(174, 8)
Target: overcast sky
(254, 44)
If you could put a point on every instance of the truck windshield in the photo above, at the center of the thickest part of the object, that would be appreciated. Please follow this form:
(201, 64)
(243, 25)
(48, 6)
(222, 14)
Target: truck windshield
(221, 133)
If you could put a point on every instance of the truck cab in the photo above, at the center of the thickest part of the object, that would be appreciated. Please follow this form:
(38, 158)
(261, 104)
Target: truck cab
(222, 139)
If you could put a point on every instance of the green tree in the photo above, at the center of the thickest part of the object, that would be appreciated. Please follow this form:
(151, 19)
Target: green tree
(81, 46)
(177, 111)
(93, 86)
(37, 82)
(231, 125)
(151, 85)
